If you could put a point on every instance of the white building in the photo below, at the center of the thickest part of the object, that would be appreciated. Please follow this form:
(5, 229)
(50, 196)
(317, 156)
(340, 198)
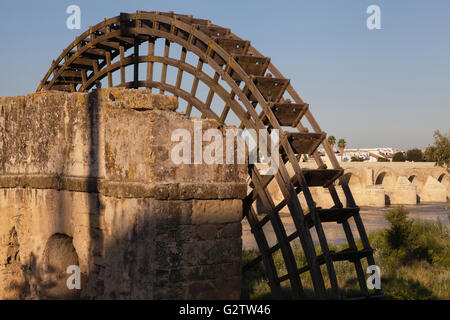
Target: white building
(368, 154)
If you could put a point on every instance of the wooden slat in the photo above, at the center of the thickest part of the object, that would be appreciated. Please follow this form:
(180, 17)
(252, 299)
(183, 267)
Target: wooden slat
(345, 255)
(151, 53)
(321, 177)
(305, 143)
(234, 46)
(122, 67)
(252, 65)
(214, 31)
(180, 71)
(272, 89)
(338, 215)
(108, 64)
(266, 256)
(136, 65)
(194, 87)
(164, 66)
(93, 53)
(210, 96)
(288, 114)
(280, 233)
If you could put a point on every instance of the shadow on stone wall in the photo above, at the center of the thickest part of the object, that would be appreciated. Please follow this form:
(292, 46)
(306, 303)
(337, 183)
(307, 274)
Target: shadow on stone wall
(129, 246)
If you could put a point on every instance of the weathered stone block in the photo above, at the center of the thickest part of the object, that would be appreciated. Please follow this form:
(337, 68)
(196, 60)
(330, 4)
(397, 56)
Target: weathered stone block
(216, 211)
(95, 168)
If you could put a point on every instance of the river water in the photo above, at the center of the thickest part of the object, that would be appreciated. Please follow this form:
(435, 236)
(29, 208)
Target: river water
(373, 219)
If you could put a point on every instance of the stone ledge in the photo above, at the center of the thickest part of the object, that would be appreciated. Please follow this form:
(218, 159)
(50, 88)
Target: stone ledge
(160, 191)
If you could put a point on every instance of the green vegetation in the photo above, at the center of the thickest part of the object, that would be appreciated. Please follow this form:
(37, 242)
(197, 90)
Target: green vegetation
(341, 145)
(415, 155)
(381, 159)
(332, 141)
(398, 157)
(414, 258)
(439, 152)
(357, 159)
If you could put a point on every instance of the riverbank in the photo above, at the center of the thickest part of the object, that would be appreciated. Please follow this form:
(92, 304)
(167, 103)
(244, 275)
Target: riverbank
(373, 219)
(412, 252)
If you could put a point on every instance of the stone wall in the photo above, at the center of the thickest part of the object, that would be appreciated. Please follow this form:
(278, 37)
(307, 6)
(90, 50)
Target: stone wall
(87, 179)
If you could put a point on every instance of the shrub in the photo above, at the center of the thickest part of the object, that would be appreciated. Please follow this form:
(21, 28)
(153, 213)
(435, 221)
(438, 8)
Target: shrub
(410, 240)
(400, 234)
(415, 155)
(381, 159)
(399, 157)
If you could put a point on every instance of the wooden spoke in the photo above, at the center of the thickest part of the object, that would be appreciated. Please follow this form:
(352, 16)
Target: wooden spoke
(164, 67)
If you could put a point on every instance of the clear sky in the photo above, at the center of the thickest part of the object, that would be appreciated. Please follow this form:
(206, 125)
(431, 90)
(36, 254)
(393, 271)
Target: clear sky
(388, 87)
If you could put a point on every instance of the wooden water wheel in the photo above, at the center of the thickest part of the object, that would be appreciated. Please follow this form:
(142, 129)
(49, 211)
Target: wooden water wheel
(250, 91)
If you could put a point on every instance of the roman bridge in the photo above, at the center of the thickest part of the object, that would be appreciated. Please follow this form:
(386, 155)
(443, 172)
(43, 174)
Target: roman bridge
(377, 184)
(401, 183)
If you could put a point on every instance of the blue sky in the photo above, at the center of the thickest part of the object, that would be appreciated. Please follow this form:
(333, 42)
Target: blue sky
(388, 87)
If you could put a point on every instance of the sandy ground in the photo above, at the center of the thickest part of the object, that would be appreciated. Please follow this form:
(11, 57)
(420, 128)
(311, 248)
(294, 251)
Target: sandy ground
(373, 219)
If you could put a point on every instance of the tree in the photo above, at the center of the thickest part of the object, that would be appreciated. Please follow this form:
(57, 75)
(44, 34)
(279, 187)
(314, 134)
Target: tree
(439, 152)
(342, 144)
(332, 141)
(382, 159)
(414, 155)
(429, 154)
(398, 157)
(357, 159)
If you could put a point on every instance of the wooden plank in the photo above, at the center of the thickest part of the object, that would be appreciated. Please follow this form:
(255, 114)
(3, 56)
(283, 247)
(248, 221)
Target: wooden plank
(194, 87)
(299, 175)
(234, 46)
(108, 65)
(136, 65)
(164, 67)
(305, 143)
(266, 256)
(320, 177)
(304, 235)
(338, 215)
(251, 65)
(180, 71)
(288, 114)
(280, 233)
(214, 31)
(122, 67)
(151, 53)
(210, 96)
(272, 89)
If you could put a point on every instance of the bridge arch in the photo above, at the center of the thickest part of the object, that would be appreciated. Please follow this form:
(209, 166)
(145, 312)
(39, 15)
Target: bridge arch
(417, 182)
(353, 181)
(385, 178)
(445, 180)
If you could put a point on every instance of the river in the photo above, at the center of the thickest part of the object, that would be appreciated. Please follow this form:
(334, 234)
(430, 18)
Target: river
(373, 219)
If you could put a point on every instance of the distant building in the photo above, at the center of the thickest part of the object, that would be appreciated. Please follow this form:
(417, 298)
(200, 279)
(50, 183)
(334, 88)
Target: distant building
(367, 154)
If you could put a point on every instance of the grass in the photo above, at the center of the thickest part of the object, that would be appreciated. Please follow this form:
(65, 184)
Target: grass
(414, 258)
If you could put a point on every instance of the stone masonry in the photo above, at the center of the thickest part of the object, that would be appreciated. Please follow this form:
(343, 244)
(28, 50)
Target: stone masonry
(86, 179)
